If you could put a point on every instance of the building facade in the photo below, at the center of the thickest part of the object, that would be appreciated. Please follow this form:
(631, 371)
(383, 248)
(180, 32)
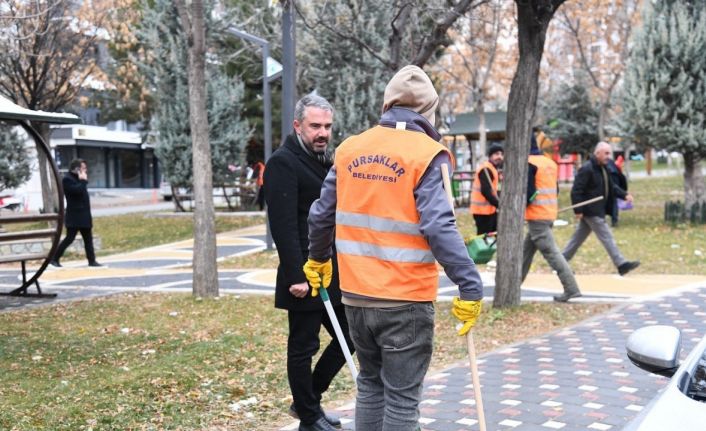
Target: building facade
(116, 159)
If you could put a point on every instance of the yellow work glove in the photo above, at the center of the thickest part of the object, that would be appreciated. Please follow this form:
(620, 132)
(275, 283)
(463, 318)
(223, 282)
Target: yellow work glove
(315, 271)
(467, 312)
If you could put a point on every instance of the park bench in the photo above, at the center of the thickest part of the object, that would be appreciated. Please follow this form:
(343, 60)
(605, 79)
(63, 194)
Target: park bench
(235, 195)
(34, 225)
(31, 232)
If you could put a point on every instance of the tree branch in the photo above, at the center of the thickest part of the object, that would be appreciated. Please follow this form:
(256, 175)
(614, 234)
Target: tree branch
(438, 34)
(350, 36)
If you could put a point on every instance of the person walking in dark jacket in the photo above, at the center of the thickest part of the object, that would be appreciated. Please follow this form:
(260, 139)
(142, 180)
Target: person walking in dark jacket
(293, 178)
(616, 175)
(78, 212)
(593, 180)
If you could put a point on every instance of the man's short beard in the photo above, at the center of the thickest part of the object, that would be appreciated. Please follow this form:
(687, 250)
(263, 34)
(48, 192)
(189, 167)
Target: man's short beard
(310, 146)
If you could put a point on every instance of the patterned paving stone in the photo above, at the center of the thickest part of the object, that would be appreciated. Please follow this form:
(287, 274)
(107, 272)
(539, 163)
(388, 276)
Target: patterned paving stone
(540, 384)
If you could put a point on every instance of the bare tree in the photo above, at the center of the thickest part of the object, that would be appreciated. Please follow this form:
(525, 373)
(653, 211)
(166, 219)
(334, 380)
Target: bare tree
(469, 62)
(409, 17)
(205, 278)
(533, 17)
(47, 54)
(600, 31)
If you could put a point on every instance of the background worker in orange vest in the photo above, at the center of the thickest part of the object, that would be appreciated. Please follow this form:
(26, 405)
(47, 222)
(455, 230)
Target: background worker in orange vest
(385, 202)
(484, 192)
(540, 215)
(259, 182)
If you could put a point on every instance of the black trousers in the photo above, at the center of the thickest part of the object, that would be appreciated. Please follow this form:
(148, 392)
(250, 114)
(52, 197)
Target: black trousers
(486, 223)
(86, 234)
(302, 345)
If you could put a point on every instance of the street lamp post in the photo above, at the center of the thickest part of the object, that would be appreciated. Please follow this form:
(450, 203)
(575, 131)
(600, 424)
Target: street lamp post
(267, 102)
(289, 62)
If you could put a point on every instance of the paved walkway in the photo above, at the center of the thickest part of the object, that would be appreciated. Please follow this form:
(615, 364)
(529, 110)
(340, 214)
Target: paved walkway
(574, 379)
(166, 268)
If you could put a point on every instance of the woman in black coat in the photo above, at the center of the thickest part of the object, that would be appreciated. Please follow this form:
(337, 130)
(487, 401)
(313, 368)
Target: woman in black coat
(78, 212)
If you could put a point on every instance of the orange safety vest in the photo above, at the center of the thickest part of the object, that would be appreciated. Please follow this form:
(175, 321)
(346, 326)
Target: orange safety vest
(260, 174)
(545, 204)
(381, 252)
(479, 204)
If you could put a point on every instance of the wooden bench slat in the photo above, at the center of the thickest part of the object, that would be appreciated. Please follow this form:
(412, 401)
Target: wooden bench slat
(13, 236)
(28, 218)
(21, 257)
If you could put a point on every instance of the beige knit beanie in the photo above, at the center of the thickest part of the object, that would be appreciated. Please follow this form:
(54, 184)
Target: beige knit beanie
(411, 88)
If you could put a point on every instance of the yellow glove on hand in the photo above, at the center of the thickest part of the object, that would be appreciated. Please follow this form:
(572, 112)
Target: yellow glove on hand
(467, 312)
(314, 271)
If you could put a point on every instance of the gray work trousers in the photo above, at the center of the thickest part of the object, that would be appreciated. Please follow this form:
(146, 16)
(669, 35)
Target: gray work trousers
(539, 237)
(599, 226)
(394, 347)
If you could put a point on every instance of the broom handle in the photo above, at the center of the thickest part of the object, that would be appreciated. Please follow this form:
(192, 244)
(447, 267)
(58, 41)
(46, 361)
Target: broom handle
(580, 204)
(469, 335)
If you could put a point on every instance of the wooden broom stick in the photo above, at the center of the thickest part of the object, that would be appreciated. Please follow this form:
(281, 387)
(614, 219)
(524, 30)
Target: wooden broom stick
(469, 335)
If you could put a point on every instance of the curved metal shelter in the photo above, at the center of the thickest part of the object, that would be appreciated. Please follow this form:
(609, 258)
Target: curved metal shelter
(33, 225)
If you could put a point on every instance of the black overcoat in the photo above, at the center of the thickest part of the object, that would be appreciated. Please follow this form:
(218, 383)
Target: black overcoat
(292, 183)
(78, 204)
(589, 183)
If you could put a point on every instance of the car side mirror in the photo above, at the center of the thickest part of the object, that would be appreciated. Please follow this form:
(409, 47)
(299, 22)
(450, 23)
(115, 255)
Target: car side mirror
(655, 349)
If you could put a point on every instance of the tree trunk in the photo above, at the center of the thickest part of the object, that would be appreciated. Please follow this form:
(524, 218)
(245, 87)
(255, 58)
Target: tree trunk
(602, 114)
(532, 29)
(694, 188)
(482, 138)
(648, 161)
(205, 278)
(49, 203)
(178, 207)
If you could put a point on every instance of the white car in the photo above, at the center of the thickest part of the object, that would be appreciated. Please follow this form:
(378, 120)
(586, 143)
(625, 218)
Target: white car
(681, 406)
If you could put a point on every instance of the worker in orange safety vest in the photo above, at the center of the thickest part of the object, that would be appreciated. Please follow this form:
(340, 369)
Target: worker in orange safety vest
(484, 192)
(542, 208)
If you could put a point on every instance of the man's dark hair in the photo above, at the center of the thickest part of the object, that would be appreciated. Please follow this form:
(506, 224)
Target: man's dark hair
(76, 164)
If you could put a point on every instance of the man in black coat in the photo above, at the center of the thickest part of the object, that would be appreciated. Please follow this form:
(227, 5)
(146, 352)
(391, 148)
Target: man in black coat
(592, 181)
(293, 178)
(78, 212)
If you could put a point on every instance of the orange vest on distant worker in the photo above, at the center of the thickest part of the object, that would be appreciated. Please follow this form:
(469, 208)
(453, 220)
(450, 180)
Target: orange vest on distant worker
(260, 174)
(381, 252)
(545, 204)
(479, 204)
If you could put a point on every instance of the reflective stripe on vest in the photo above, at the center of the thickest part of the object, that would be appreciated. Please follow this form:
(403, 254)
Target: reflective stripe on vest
(479, 204)
(376, 223)
(392, 254)
(545, 205)
(381, 252)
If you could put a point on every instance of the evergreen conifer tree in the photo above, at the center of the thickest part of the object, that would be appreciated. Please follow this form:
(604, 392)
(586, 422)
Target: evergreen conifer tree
(165, 68)
(574, 118)
(15, 166)
(665, 85)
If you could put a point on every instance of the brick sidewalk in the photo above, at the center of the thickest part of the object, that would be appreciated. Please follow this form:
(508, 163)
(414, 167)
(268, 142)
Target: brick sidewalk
(578, 378)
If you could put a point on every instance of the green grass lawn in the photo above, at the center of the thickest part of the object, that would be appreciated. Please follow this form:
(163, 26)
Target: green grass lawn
(152, 362)
(129, 232)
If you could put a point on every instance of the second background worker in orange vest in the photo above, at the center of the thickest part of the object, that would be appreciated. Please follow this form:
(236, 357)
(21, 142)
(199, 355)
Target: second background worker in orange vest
(484, 192)
(540, 215)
